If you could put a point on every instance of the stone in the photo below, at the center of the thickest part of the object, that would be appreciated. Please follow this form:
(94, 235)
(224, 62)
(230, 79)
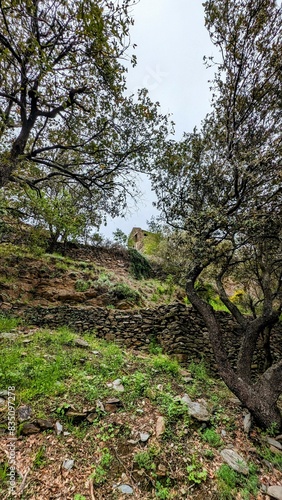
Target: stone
(160, 426)
(144, 436)
(126, 489)
(4, 394)
(274, 442)
(24, 413)
(117, 385)
(81, 343)
(8, 335)
(44, 424)
(68, 464)
(58, 428)
(196, 410)
(2, 402)
(247, 423)
(75, 416)
(275, 492)
(112, 405)
(29, 428)
(235, 461)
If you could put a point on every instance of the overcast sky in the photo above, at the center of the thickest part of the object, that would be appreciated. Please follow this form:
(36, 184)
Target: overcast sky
(171, 42)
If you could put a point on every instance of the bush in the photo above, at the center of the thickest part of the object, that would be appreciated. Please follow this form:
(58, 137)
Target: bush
(139, 265)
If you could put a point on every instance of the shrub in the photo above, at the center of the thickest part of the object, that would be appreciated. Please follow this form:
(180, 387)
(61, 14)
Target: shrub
(139, 265)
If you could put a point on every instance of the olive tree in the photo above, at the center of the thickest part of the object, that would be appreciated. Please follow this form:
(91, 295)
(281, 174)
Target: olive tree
(220, 189)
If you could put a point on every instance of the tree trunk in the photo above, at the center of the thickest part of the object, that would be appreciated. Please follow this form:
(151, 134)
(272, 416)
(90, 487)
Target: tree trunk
(260, 398)
(265, 334)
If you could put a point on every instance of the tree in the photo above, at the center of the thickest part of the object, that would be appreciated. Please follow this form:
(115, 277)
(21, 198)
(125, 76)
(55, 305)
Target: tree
(220, 189)
(63, 115)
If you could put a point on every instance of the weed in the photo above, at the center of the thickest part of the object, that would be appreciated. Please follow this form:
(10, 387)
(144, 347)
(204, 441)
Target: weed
(82, 286)
(146, 459)
(230, 483)
(3, 471)
(210, 436)
(40, 458)
(196, 473)
(199, 372)
(164, 363)
(77, 496)
(162, 491)
(267, 454)
(101, 469)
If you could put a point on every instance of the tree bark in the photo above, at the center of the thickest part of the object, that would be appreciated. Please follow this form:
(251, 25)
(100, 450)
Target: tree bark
(260, 398)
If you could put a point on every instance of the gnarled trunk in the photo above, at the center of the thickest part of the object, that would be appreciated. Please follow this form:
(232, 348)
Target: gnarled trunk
(260, 397)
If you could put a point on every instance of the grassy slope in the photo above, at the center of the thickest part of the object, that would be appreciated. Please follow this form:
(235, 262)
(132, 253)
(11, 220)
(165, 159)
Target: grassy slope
(55, 377)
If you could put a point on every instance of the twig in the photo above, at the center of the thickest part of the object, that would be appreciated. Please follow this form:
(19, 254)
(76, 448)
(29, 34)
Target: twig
(23, 482)
(91, 489)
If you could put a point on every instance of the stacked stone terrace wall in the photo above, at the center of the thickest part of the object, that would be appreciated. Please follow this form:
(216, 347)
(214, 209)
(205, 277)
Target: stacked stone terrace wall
(178, 329)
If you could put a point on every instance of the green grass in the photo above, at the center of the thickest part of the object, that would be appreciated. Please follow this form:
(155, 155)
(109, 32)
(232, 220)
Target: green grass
(7, 323)
(230, 483)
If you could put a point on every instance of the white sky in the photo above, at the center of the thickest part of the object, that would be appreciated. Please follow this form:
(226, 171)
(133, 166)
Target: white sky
(171, 42)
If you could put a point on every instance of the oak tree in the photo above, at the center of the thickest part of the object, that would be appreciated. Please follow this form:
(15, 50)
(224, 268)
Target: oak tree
(64, 116)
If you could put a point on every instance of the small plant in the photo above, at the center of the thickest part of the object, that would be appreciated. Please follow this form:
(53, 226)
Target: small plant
(82, 286)
(210, 436)
(77, 496)
(101, 470)
(165, 364)
(146, 459)
(3, 471)
(196, 473)
(198, 370)
(122, 291)
(162, 491)
(230, 483)
(40, 458)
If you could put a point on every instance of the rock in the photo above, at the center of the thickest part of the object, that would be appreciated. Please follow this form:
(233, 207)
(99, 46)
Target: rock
(29, 428)
(247, 423)
(44, 424)
(117, 385)
(278, 438)
(126, 489)
(68, 464)
(81, 343)
(235, 461)
(91, 417)
(196, 410)
(4, 394)
(58, 428)
(274, 442)
(24, 413)
(144, 436)
(8, 335)
(275, 492)
(112, 405)
(160, 426)
(2, 401)
(75, 416)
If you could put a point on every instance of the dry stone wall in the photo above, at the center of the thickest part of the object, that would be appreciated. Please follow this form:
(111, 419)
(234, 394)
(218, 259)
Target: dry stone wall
(178, 329)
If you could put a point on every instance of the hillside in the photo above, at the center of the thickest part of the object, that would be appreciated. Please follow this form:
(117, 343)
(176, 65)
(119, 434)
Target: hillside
(95, 421)
(99, 421)
(94, 276)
